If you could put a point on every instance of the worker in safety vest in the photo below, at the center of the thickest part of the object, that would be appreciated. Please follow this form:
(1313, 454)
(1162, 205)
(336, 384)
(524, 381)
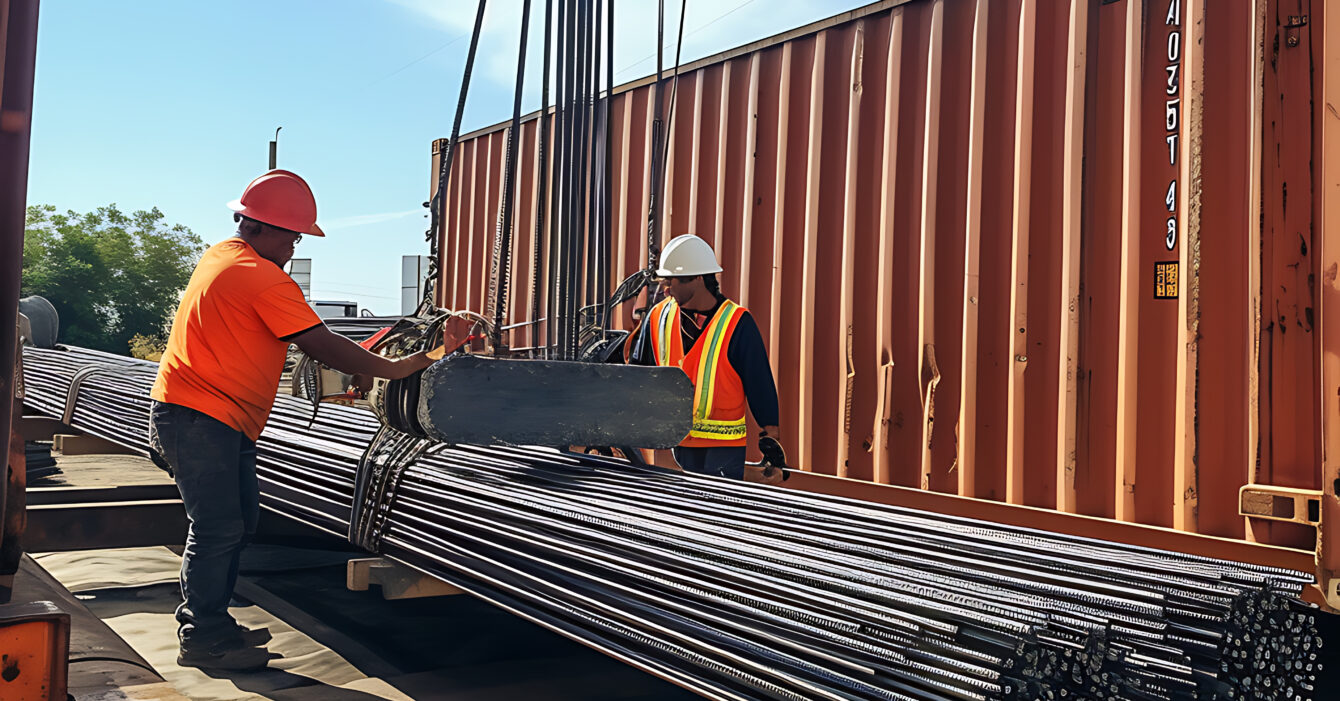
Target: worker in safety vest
(216, 384)
(718, 344)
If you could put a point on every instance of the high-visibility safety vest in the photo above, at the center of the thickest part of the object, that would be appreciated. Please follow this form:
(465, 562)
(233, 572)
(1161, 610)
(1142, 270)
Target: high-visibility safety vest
(718, 392)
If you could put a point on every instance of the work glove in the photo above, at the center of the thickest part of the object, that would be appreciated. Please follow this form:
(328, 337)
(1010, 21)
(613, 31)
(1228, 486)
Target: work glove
(774, 460)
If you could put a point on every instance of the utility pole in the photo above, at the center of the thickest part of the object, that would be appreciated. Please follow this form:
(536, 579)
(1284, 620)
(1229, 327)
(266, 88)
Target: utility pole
(274, 150)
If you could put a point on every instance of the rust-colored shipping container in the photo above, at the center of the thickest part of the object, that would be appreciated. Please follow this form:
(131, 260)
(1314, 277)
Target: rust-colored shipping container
(1073, 263)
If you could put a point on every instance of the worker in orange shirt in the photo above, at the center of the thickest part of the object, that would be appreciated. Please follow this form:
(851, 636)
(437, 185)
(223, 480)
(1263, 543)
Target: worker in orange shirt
(216, 384)
(719, 346)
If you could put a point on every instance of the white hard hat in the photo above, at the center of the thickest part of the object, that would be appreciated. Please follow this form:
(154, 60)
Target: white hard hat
(687, 255)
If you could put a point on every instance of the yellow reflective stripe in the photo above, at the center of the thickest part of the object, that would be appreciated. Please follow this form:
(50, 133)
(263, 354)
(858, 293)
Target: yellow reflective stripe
(707, 363)
(718, 430)
(702, 404)
(663, 347)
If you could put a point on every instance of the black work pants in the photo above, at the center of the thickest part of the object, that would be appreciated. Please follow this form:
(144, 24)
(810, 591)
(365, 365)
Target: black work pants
(720, 462)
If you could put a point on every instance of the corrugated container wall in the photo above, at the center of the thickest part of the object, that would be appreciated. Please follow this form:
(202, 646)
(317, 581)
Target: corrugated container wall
(1055, 254)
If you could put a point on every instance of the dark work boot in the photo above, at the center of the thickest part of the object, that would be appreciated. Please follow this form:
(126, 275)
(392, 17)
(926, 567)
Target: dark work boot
(230, 634)
(224, 656)
(252, 637)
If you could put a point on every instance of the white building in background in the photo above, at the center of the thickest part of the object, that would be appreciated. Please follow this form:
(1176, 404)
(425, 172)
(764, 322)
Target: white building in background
(300, 269)
(413, 275)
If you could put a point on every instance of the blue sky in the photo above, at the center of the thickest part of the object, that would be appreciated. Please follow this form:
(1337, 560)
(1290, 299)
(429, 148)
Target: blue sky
(172, 103)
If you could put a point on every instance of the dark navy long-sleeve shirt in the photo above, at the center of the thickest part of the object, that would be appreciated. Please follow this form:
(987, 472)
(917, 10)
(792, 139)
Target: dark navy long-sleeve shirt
(746, 354)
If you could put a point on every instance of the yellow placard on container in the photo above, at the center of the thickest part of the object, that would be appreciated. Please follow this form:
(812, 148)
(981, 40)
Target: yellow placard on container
(1165, 280)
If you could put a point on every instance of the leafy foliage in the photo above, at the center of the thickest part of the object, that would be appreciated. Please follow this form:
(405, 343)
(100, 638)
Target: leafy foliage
(148, 347)
(110, 275)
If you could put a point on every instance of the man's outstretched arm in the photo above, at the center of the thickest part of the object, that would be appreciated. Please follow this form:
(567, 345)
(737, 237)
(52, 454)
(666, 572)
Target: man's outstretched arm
(344, 355)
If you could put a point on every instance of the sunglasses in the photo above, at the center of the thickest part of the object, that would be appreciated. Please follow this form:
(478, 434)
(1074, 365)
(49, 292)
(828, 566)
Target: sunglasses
(297, 237)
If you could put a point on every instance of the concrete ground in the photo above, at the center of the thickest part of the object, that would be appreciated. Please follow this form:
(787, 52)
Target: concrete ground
(331, 643)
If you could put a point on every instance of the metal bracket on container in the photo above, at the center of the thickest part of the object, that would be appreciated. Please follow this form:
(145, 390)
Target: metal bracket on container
(1280, 504)
(1293, 505)
(1295, 23)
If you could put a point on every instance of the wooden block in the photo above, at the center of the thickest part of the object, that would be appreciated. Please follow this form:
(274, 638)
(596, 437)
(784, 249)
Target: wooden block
(66, 444)
(396, 581)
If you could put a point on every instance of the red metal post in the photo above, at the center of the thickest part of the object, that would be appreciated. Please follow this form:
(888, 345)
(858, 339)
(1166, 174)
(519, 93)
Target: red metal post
(18, 21)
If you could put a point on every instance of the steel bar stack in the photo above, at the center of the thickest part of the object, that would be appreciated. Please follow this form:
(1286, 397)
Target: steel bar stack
(737, 591)
(578, 208)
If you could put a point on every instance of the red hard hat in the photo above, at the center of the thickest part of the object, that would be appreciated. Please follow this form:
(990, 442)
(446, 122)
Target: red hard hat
(279, 198)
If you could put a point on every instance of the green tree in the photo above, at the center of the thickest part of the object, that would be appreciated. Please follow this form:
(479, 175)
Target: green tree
(110, 275)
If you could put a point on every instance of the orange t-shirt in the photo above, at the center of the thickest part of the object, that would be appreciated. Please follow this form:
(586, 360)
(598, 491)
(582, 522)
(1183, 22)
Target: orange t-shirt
(226, 351)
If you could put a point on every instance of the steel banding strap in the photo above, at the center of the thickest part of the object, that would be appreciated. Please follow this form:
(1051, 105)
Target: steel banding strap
(380, 468)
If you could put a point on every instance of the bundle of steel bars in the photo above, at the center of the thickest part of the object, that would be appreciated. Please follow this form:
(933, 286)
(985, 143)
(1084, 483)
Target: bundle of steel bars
(573, 207)
(736, 591)
(579, 201)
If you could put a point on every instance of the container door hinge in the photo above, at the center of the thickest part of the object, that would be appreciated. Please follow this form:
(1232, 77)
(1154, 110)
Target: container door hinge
(1292, 29)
